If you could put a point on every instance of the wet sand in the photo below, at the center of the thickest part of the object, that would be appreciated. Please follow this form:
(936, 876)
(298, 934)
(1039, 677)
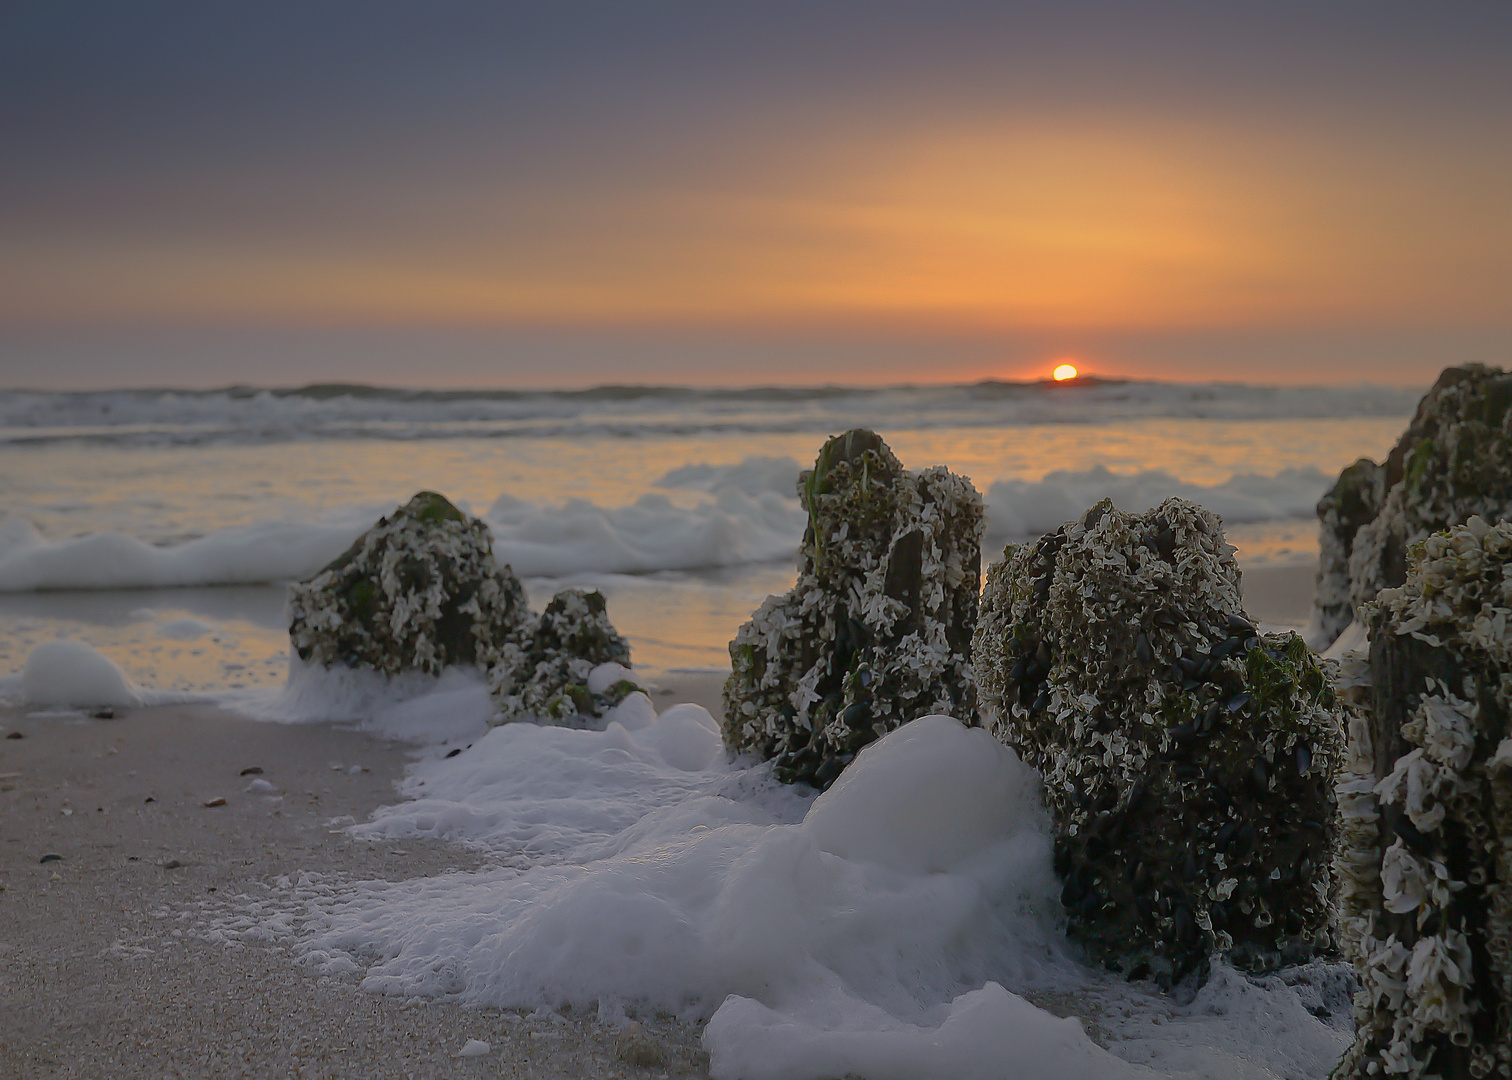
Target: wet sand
(104, 969)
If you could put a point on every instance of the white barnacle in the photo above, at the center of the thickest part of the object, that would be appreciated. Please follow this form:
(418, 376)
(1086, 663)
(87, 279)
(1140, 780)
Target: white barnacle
(1438, 972)
(1445, 728)
(1404, 881)
(1418, 784)
(1384, 971)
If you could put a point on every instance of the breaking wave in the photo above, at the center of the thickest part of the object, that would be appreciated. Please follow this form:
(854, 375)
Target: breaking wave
(724, 516)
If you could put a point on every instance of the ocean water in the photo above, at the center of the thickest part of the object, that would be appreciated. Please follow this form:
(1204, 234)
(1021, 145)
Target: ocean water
(160, 526)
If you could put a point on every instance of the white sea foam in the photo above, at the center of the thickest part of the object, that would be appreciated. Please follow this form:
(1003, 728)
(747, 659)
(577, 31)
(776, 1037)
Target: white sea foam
(252, 554)
(428, 710)
(905, 924)
(652, 533)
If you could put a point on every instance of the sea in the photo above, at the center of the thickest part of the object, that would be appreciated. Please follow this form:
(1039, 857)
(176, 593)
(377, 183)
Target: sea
(161, 526)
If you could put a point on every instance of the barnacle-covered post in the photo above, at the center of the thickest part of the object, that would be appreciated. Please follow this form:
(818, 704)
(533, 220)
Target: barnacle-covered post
(1425, 856)
(1188, 760)
(877, 630)
(418, 591)
(1353, 502)
(548, 678)
(1453, 462)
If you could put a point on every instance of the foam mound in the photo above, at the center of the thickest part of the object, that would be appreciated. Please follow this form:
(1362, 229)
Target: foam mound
(73, 674)
(903, 924)
(877, 629)
(1187, 759)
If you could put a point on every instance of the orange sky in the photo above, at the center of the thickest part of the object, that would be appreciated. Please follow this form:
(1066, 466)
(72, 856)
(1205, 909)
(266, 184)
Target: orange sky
(1051, 220)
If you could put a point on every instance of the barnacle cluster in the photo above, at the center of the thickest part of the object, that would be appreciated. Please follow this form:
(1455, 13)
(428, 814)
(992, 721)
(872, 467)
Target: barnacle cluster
(1188, 760)
(877, 630)
(548, 677)
(1425, 853)
(418, 591)
(1453, 462)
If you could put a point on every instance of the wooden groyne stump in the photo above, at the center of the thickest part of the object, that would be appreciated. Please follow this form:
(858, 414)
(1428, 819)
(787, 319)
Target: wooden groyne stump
(1452, 463)
(877, 629)
(1425, 856)
(1187, 759)
(549, 677)
(419, 591)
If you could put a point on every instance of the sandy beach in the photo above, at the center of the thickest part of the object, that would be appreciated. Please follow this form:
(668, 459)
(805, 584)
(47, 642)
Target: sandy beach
(102, 971)
(105, 964)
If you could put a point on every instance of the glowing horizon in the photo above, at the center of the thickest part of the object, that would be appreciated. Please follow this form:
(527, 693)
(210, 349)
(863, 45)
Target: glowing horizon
(988, 188)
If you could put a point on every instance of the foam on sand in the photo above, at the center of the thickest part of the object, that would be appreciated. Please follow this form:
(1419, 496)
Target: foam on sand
(71, 673)
(903, 924)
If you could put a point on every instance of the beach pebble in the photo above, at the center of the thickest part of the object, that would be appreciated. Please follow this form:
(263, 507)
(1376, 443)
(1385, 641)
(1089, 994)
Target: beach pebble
(252, 770)
(877, 630)
(474, 1048)
(260, 786)
(634, 1045)
(51, 857)
(219, 800)
(14, 735)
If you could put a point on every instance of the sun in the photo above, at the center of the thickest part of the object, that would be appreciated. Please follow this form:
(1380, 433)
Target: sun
(1064, 372)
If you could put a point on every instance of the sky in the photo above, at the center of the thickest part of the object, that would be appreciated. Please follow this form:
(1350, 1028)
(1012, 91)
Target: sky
(512, 194)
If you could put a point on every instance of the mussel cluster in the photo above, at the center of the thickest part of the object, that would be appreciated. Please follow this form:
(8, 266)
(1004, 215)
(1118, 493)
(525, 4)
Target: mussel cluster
(418, 591)
(1425, 857)
(1187, 758)
(877, 629)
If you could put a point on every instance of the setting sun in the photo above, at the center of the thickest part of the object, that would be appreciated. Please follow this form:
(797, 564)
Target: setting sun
(1064, 372)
